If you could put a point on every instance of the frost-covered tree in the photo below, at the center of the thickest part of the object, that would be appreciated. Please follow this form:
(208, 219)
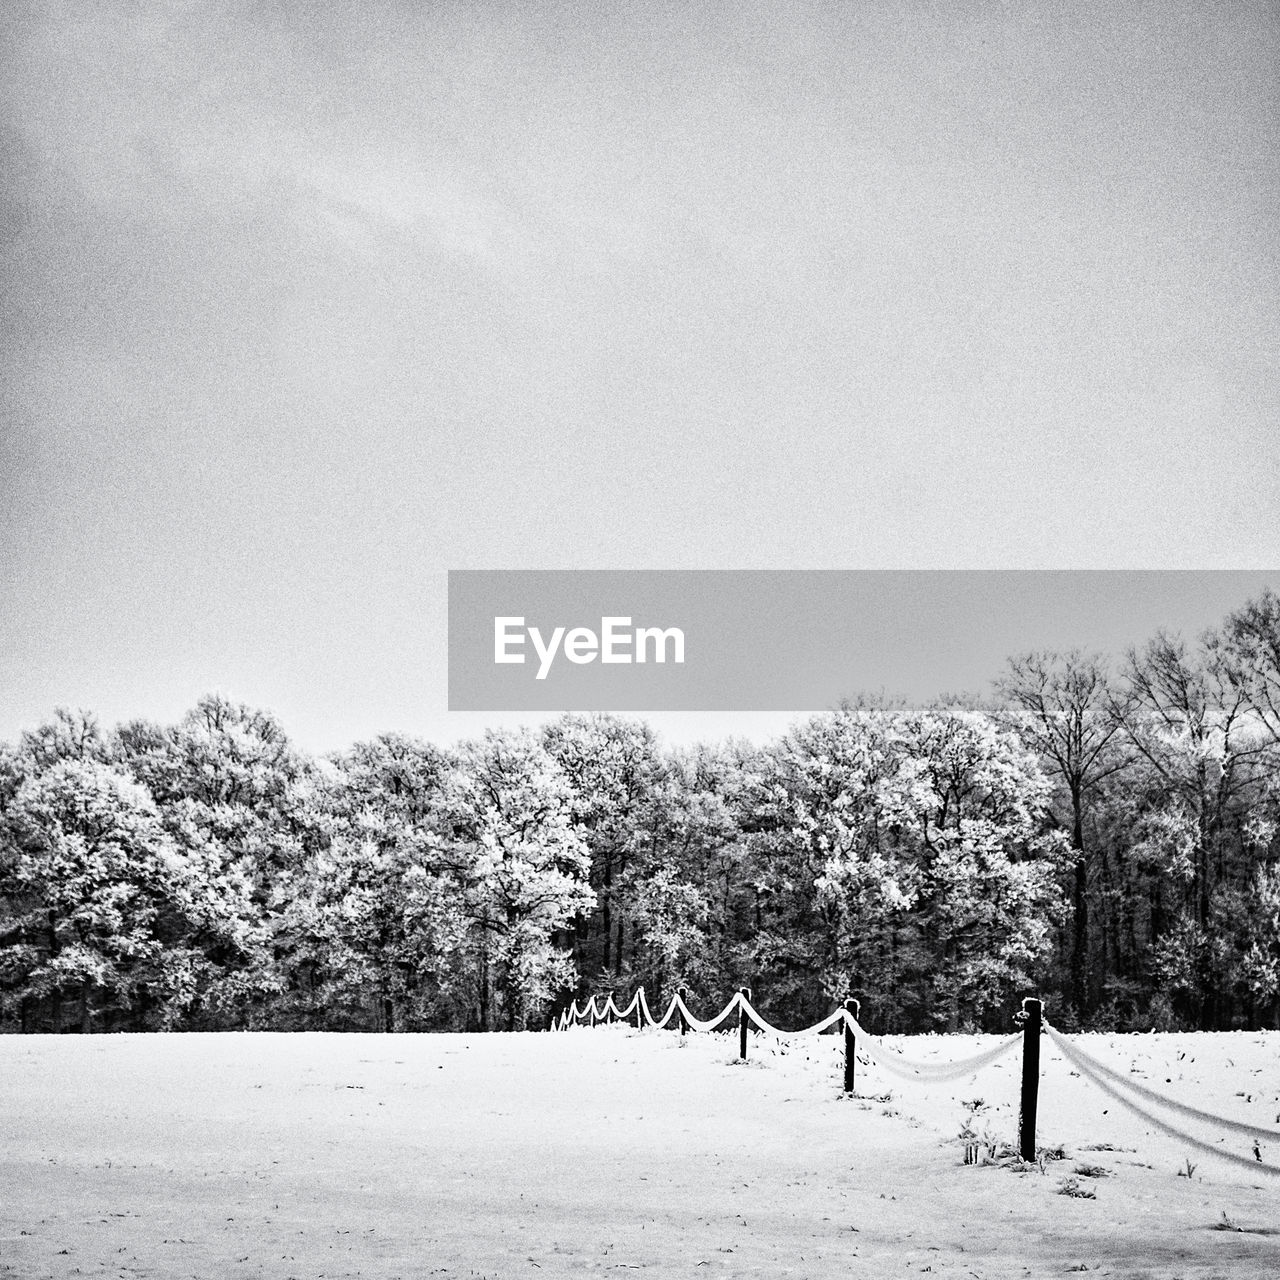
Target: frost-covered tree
(1257, 929)
(69, 735)
(1203, 765)
(377, 909)
(987, 896)
(100, 904)
(237, 796)
(205, 931)
(616, 775)
(672, 916)
(526, 873)
(237, 774)
(907, 857)
(832, 880)
(688, 881)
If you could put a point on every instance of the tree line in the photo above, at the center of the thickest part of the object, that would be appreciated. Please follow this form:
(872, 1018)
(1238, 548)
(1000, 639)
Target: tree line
(1101, 832)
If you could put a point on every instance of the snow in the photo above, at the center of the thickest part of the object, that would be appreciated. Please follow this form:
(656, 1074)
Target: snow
(607, 1151)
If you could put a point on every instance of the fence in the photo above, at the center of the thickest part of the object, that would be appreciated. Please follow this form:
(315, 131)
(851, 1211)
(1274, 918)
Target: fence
(873, 1049)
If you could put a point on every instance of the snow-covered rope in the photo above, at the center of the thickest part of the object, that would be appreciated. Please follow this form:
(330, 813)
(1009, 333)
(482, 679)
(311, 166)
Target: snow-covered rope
(769, 1029)
(649, 1019)
(697, 1024)
(933, 1072)
(672, 1008)
(621, 1014)
(644, 1008)
(1086, 1066)
(598, 1009)
(1209, 1117)
(872, 1046)
(575, 1014)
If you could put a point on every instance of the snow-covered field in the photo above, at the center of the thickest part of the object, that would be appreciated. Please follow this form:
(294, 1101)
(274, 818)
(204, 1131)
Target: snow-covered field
(608, 1151)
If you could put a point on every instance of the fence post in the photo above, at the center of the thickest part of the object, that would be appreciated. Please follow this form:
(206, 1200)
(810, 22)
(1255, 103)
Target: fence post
(853, 1007)
(639, 1011)
(745, 993)
(1031, 1011)
(682, 992)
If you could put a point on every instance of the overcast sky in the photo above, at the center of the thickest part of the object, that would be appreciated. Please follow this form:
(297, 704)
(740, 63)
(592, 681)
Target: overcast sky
(307, 303)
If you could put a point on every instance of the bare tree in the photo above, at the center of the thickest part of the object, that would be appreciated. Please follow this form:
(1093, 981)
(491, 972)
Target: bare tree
(1062, 706)
(1248, 649)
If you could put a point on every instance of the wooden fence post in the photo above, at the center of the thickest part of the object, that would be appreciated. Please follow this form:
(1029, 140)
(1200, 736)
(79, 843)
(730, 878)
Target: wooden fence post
(853, 1008)
(745, 993)
(684, 1025)
(1031, 1013)
(639, 1011)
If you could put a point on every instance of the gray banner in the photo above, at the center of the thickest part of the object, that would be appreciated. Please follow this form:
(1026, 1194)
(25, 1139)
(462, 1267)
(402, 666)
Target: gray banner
(775, 640)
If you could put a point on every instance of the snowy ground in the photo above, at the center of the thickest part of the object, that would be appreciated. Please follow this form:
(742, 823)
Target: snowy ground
(606, 1151)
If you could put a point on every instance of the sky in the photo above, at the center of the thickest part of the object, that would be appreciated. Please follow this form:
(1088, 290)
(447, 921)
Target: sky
(306, 304)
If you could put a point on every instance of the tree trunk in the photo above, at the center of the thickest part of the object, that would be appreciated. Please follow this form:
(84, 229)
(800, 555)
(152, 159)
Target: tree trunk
(606, 917)
(1080, 908)
(1126, 927)
(55, 996)
(618, 953)
(85, 1026)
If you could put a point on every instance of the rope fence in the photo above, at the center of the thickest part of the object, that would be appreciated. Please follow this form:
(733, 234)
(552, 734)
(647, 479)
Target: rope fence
(1113, 1085)
(874, 1049)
